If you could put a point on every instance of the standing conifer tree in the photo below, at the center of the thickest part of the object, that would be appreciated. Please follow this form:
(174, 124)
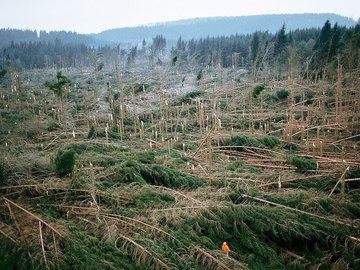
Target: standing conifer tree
(280, 49)
(58, 86)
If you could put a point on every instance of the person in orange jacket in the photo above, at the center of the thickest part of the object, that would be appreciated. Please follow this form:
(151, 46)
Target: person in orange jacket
(225, 248)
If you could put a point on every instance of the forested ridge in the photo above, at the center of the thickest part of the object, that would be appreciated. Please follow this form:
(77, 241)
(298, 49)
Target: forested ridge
(221, 26)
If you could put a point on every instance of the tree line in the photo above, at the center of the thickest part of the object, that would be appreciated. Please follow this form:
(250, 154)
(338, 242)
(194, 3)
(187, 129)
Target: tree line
(13, 36)
(310, 52)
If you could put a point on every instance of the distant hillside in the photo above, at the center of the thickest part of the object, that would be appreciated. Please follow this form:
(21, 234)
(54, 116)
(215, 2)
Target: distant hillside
(171, 31)
(218, 26)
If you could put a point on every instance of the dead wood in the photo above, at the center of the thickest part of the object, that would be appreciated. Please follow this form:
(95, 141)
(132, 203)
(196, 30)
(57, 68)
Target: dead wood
(42, 244)
(31, 215)
(341, 179)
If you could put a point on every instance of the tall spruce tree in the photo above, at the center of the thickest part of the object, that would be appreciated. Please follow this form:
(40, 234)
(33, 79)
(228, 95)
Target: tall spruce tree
(323, 44)
(334, 44)
(280, 42)
(255, 46)
(280, 49)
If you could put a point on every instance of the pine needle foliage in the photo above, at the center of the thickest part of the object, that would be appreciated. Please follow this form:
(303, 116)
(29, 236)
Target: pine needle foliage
(85, 251)
(258, 89)
(303, 165)
(255, 234)
(291, 147)
(91, 133)
(186, 99)
(64, 162)
(354, 173)
(142, 256)
(292, 200)
(15, 256)
(80, 148)
(152, 198)
(208, 261)
(282, 94)
(133, 171)
(322, 184)
(354, 185)
(243, 140)
(58, 85)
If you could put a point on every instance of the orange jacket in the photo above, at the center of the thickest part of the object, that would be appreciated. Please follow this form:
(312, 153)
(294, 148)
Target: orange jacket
(225, 248)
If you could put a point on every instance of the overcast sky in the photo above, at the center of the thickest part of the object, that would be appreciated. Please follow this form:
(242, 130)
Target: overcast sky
(92, 16)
